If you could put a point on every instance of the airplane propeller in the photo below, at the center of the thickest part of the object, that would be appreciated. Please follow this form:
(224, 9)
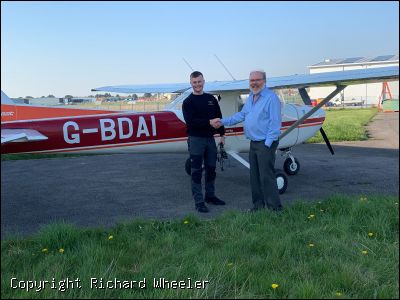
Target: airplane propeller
(306, 99)
(325, 137)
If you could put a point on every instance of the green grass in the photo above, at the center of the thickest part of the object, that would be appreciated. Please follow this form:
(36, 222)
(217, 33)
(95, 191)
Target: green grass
(345, 125)
(240, 254)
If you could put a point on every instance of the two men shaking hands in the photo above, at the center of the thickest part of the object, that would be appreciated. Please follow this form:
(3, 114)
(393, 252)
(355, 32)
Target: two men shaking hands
(216, 123)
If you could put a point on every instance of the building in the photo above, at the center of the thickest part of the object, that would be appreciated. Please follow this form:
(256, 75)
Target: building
(52, 101)
(79, 100)
(47, 101)
(368, 93)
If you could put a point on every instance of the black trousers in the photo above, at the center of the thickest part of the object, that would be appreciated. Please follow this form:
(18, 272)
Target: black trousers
(202, 149)
(264, 190)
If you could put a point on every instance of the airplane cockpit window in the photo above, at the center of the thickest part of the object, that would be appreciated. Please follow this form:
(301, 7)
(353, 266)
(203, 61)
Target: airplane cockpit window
(177, 103)
(241, 100)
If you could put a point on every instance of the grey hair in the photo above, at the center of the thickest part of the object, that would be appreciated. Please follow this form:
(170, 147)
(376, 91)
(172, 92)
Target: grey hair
(262, 72)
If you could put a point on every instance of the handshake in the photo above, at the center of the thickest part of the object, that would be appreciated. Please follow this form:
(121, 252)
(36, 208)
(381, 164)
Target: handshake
(216, 123)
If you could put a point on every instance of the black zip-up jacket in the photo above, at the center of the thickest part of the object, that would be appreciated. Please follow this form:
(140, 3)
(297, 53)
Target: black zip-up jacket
(198, 110)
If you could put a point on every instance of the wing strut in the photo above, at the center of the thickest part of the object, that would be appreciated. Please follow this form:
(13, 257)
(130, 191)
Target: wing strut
(236, 156)
(339, 88)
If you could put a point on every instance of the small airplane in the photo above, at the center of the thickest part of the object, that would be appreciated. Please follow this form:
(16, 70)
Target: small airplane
(38, 129)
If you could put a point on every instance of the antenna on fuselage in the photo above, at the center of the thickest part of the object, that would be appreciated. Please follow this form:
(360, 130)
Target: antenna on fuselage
(226, 69)
(188, 64)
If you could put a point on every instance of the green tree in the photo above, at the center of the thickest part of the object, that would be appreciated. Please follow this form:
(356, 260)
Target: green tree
(50, 96)
(68, 96)
(147, 95)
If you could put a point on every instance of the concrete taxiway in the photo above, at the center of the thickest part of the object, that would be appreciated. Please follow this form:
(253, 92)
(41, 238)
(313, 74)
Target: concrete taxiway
(106, 189)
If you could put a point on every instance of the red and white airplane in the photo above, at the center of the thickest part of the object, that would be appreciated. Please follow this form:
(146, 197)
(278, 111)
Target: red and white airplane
(39, 129)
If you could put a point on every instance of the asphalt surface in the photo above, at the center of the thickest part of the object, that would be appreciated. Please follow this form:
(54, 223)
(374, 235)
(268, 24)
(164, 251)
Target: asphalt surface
(107, 189)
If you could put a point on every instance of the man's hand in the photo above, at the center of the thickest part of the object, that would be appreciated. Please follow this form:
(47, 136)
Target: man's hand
(222, 140)
(216, 123)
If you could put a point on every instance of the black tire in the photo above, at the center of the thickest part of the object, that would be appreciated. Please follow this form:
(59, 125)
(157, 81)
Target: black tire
(290, 168)
(281, 181)
(188, 167)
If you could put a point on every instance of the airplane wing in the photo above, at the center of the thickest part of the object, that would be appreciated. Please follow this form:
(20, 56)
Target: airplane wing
(293, 81)
(21, 135)
(146, 88)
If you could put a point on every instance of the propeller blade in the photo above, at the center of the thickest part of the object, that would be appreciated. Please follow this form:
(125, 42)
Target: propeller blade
(326, 140)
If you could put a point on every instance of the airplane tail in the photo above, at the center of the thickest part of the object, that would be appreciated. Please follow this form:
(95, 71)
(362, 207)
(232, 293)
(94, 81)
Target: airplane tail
(5, 99)
(8, 109)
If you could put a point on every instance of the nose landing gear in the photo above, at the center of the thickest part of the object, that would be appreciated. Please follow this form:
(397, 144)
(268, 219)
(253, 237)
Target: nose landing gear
(291, 164)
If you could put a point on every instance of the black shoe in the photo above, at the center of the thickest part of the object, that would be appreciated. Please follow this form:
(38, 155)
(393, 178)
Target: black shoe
(277, 210)
(201, 207)
(214, 200)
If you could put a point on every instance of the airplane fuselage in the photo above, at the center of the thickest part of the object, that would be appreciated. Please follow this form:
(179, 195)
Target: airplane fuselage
(163, 131)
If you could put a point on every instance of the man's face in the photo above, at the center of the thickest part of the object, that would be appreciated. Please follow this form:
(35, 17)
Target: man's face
(257, 82)
(197, 84)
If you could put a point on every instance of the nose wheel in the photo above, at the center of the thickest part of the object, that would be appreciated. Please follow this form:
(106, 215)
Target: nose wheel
(291, 166)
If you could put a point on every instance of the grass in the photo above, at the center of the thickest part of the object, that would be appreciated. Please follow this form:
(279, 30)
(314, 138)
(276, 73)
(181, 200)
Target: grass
(345, 125)
(342, 247)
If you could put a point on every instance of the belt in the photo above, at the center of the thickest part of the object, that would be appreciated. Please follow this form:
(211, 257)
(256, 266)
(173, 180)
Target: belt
(263, 141)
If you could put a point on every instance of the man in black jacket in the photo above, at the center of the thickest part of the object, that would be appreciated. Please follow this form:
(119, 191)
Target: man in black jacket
(198, 109)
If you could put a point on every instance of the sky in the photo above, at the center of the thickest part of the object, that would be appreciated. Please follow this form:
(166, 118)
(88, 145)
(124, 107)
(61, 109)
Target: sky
(61, 47)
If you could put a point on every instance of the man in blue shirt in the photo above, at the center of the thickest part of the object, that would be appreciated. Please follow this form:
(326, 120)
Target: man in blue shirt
(262, 119)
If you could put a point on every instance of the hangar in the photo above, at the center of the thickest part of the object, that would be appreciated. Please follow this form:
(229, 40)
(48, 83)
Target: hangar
(365, 94)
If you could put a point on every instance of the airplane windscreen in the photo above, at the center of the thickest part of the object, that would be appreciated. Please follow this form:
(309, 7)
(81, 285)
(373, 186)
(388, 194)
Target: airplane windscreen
(177, 103)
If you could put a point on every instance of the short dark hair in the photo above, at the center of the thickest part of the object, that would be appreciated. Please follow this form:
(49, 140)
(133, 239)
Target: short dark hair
(196, 74)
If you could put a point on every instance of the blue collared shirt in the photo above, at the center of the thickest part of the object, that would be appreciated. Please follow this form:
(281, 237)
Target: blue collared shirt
(262, 119)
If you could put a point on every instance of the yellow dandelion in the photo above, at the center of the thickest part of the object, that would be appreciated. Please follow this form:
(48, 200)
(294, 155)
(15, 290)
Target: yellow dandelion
(311, 245)
(230, 264)
(61, 250)
(45, 250)
(363, 199)
(339, 294)
(364, 252)
(274, 285)
(370, 234)
(311, 216)
(110, 237)
(321, 210)
(186, 222)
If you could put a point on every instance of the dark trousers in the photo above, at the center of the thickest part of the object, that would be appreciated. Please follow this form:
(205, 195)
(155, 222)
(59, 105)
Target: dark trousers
(264, 190)
(202, 149)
